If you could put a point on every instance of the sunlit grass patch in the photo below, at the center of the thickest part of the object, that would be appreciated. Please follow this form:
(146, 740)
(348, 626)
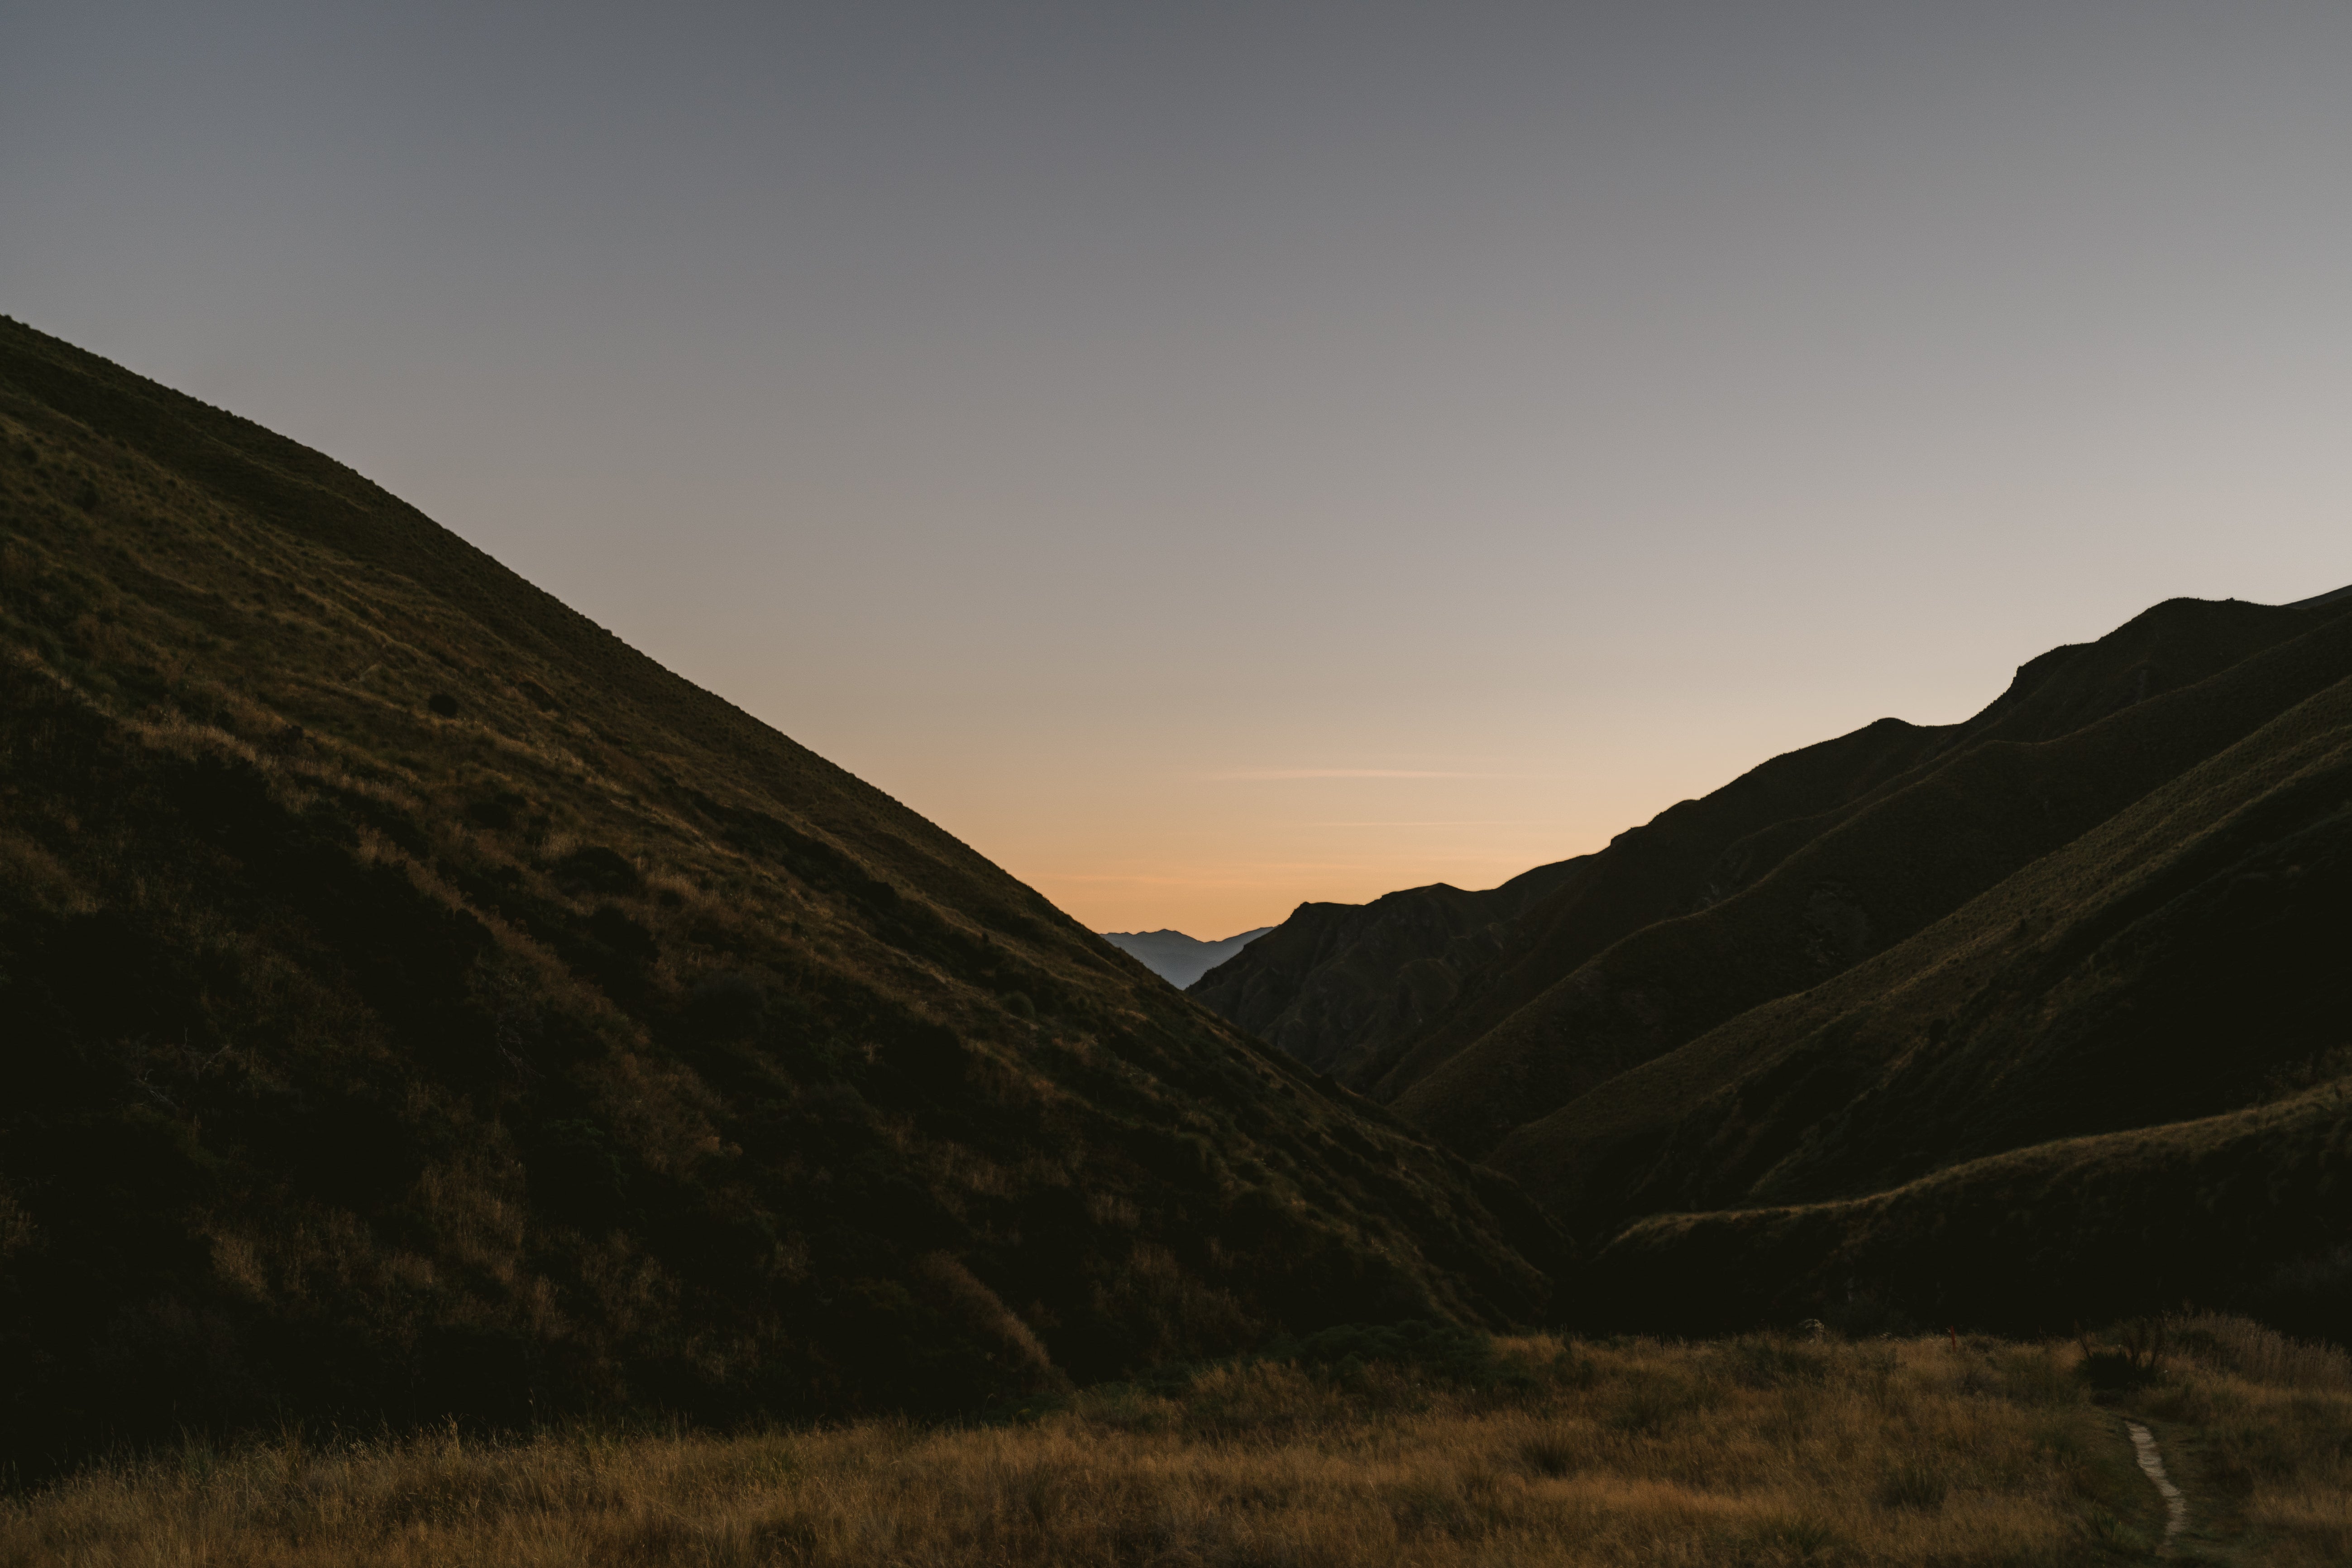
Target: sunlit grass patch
(1764, 1451)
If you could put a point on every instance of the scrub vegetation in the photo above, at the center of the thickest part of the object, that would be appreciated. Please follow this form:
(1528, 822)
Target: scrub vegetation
(1441, 1448)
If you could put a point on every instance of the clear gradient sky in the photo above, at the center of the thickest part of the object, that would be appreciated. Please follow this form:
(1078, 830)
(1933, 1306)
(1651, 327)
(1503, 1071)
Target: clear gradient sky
(1211, 456)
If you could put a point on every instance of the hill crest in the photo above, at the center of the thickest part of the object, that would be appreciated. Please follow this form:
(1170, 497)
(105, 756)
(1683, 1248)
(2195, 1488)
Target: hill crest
(425, 1004)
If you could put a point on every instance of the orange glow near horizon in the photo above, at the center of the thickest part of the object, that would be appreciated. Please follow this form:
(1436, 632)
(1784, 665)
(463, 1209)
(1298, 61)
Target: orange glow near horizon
(1214, 457)
(1137, 844)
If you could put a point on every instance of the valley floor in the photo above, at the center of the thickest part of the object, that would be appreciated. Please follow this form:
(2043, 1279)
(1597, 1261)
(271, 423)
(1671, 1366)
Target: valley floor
(1762, 1450)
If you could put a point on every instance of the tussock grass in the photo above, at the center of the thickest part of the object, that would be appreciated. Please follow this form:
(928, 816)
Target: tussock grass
(1757, 1451)
(2260, 1354)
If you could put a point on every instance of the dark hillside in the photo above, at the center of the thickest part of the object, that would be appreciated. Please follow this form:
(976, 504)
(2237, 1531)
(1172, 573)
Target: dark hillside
(1699, 853)
(1390, 993)
(2247, 1209)
(417, 1002)
(1873, 875)
(2114, 1080)
(2035, 1018)
(2181, 963)
(1335, 984)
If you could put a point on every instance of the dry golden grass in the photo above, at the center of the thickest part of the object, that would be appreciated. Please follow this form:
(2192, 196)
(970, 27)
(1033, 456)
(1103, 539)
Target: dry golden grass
(1760, 1450)
(2263, 1429)
(2259, 1355)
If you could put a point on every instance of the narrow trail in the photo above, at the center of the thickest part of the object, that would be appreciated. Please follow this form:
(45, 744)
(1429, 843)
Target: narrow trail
(2151, 1463)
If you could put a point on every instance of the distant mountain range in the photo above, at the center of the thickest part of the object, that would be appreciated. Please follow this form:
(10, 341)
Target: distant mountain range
(1176, 958)
(2043, 1016)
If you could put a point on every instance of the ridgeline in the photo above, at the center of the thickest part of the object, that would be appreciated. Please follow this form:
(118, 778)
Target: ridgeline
(2034, 1018)
(419, 1003)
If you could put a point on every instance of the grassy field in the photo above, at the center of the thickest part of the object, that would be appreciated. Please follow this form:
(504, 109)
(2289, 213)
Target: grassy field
(1760, 1450)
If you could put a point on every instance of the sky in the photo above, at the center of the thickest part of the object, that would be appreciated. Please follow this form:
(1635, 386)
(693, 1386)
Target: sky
(1211, 456)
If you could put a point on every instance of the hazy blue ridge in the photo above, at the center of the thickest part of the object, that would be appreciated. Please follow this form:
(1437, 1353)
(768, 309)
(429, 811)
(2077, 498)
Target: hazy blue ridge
(1176, 958)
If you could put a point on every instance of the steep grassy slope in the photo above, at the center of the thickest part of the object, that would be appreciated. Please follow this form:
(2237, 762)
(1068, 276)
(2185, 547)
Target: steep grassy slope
(1336, 985)
(418, 1002)
(1789, 875)
(2038, 1017)
(2119, 1077)
(2247, 1209)
(1871, 875)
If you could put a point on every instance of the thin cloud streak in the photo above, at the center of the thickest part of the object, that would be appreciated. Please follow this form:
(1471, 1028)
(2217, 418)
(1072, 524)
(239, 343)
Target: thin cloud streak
(947, 389)
(1269, 774)
(1258, 873)
(1472, 822)
(1258, 876)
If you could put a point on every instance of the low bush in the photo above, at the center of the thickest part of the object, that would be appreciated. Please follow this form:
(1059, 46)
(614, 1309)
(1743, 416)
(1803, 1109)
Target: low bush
(1443, 1350)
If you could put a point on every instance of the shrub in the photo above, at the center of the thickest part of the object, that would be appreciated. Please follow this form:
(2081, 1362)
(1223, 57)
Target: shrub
(1913, 1484)
(2109, 1533)
(578, 1177)
(2112, 1371)
(1790, 1539)
(1555, 1452)
(496, 812)
(592, 868)
(1445, 1351)
(1651, 1401)
(725, 1009)
(1760, 1363)
(1866, 1316)
(2134, 1361)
